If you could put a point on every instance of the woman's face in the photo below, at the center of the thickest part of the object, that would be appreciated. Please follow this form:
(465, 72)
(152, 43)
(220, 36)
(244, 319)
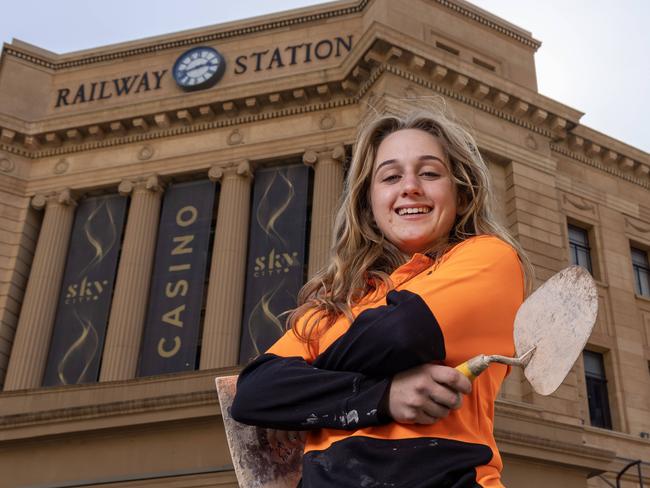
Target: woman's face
(413, 198)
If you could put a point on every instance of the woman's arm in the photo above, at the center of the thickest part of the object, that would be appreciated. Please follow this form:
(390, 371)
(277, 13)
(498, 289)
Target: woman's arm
(288, 393)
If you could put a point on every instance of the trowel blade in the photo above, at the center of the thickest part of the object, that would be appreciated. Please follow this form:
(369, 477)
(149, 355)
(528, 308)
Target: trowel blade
(557, 319)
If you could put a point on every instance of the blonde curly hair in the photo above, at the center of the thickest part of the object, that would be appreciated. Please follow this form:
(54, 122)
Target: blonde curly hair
(362, 256)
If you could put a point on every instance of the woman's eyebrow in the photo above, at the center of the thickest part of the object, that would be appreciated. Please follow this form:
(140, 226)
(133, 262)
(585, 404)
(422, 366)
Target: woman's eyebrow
(424, 157)
(385, 163)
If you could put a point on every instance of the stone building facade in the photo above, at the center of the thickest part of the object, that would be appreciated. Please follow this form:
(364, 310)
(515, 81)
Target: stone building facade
(102, 151)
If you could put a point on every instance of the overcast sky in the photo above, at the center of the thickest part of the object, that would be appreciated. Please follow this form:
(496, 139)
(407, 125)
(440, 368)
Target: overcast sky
(594, 55)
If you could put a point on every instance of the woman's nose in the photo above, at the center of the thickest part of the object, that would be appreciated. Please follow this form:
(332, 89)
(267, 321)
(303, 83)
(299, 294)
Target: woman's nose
(411, 185)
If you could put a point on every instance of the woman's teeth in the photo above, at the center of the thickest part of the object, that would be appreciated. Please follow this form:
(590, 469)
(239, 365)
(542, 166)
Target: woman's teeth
(409, 211)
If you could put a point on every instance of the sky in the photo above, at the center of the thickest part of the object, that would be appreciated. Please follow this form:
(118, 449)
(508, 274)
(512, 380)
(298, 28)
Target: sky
(594, 55)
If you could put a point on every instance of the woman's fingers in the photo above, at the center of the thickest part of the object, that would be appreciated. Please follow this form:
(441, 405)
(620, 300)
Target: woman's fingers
(426, 393)
(451, 377)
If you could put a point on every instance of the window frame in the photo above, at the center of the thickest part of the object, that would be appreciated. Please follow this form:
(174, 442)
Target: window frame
(597, 393)
(639, 269)
(575, 246)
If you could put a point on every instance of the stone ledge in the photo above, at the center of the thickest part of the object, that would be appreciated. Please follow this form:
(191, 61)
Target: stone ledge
(47, 411)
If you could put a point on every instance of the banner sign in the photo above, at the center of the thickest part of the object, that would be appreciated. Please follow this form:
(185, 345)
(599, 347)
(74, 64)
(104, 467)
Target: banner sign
(171, 331)
(85, 298)
(276, 255)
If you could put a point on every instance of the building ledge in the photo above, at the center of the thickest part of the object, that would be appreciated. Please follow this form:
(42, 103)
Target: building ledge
(66, 409)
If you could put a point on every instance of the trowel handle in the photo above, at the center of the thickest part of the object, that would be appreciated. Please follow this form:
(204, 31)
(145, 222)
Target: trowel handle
(474, 366)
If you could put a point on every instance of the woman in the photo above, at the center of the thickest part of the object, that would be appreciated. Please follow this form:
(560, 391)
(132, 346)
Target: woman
(422, 278)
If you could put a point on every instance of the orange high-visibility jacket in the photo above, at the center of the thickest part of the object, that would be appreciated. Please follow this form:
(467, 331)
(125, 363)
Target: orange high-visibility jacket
(444, 312)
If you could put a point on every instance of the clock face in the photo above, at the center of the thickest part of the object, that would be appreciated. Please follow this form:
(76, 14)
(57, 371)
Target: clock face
(199, 68)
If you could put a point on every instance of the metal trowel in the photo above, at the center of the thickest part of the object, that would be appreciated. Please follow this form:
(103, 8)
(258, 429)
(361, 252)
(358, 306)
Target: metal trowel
(551, 329)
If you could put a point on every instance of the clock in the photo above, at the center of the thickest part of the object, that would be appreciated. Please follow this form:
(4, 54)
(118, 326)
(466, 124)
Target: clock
(199, 68)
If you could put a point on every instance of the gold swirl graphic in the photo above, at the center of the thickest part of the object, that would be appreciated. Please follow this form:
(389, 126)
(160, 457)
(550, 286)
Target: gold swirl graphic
(262, 318)
(85, 345)
(101, 250)
(269, 226)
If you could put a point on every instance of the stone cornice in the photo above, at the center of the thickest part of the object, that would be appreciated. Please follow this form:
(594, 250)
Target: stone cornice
(468, 11)
(351, 87)
(39, 58)
(607, 161)
(267, 25)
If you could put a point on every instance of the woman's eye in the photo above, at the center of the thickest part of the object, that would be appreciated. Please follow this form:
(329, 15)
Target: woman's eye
(430, 174)
(390, 178)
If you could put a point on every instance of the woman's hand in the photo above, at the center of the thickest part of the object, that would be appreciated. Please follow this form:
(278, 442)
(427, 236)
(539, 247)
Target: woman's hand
(286, 438)
(427, 393)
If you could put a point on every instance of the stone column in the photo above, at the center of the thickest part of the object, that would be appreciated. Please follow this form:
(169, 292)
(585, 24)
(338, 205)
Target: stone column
(328, 188)
(129, 307)
(32, 340)
(225, 299)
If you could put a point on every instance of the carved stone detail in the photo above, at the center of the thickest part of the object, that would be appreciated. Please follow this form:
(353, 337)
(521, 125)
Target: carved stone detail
(235, 138)
(146, 152)
(327, 122)
(635, 226)
(579, 203)
(7, 165)
(61, 166)
(530, 142)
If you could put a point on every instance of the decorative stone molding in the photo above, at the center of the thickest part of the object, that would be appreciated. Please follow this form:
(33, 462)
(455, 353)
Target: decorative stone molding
(145, 153)
(61, 166)
(241, 168)
(530, 142)
(636, 226)
(311, 156)
(73, 135)
(255, 29)
(477, 17)
(215, 173)
(579, 203)
(327, 122)
(235, 138)
(381, 58)
(60, 197)
(244, 169)
(639, 179)
(52, 138)
(626, 164)
(95, 131)
(152, 183)
(7, 136)
(186, 42)
(7, 165)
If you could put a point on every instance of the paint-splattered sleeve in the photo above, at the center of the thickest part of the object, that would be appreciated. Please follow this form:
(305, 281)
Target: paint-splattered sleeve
(282, 390)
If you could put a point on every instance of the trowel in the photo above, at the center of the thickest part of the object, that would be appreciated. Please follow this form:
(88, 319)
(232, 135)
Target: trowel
(551, 329)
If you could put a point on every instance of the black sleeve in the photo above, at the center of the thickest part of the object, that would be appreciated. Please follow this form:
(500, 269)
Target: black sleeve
(386, 340)
(289, 393)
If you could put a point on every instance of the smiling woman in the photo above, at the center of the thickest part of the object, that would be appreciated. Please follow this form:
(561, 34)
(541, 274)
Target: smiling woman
(412, 195)
(422, 278)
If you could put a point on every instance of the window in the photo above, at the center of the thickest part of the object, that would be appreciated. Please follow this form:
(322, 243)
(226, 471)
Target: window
(579, 247)
(641, 270)
(597, 397)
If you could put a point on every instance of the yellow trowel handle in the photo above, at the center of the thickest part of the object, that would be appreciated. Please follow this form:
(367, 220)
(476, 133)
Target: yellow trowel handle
(474, 366)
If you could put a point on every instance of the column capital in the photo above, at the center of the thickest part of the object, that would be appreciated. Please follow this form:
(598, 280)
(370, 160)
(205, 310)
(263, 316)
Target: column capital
(241, 168)
(151, 183)
(64, 196)
(311, 157)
